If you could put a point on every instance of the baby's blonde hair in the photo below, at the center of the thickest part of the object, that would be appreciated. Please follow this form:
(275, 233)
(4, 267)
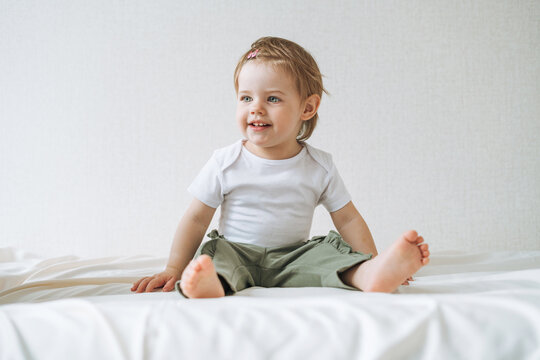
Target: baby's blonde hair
(297, 62)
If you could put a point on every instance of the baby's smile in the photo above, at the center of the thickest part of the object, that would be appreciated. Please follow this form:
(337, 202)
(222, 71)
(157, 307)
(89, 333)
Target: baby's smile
(258, 125)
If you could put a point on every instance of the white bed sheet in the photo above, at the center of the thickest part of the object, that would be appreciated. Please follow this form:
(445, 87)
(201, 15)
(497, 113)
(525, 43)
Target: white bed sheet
(461, 306)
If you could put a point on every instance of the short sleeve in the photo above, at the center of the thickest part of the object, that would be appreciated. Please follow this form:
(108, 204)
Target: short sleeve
(335, 195)
(207, 186)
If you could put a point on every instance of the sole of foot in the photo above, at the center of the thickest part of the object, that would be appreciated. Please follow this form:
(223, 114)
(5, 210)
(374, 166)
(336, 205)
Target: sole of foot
(200, 280)
(387, 271)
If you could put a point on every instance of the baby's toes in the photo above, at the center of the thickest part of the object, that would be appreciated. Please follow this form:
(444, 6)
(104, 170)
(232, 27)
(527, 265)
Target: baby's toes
(423, 250)
(411, 236)
(196, 266)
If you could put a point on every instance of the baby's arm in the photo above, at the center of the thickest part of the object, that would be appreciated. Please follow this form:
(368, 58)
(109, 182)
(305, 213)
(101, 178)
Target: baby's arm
(187, 239)
(354, 230)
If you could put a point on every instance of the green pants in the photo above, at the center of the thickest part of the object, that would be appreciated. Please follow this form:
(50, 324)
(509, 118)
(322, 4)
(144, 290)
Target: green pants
(315, 263)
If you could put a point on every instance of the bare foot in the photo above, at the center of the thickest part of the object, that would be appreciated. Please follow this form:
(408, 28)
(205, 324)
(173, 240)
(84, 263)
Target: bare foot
(393, 267)
(200, 280)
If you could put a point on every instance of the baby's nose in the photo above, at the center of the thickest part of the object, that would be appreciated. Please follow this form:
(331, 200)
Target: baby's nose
(256, 108)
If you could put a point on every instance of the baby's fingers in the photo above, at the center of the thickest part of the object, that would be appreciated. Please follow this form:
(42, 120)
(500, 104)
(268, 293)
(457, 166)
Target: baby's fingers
(154, 283)
(136, 284)
(170, 284)
(142, 284)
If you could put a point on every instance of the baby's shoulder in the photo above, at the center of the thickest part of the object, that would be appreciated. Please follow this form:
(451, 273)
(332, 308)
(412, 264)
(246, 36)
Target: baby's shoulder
(322, 157)
(225, 156)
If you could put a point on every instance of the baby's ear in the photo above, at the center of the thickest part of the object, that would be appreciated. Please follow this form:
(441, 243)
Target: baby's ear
(311, 105)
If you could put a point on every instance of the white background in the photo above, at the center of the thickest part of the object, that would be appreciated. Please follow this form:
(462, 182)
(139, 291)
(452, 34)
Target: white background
(108, 109)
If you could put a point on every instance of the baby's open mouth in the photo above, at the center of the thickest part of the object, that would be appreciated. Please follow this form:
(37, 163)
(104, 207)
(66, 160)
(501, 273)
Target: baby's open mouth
(255, 124)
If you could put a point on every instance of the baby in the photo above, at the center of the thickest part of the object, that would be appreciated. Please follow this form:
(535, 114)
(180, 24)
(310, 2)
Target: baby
(268, 186)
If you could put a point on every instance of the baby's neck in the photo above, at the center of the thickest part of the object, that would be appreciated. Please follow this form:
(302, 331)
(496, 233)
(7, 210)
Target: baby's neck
(274, 153)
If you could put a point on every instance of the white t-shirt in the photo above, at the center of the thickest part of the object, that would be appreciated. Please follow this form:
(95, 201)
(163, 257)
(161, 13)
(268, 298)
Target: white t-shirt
(269, 202)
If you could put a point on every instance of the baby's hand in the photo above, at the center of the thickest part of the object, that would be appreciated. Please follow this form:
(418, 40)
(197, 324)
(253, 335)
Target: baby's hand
(166, 279)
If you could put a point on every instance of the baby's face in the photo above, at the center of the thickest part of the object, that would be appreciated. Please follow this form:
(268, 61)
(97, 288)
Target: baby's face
(269, 110)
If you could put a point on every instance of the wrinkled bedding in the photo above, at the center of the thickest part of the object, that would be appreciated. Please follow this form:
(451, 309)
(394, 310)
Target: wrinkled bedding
(461, 306)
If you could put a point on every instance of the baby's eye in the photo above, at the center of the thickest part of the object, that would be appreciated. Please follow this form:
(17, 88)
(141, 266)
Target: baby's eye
(273, 99)
(245, 98)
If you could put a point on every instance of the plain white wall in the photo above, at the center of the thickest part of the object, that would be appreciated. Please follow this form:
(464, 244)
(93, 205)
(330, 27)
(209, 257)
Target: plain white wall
(108, 110)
